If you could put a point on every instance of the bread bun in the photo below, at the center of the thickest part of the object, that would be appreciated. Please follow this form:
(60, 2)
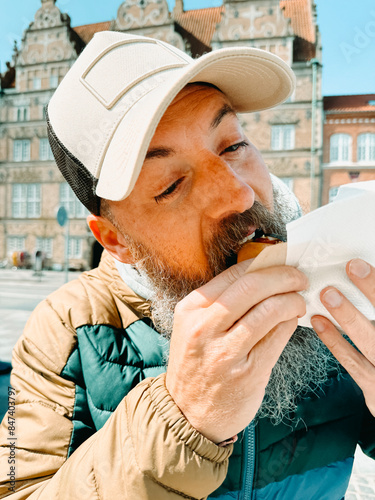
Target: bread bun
(252, 248)
(265, 252)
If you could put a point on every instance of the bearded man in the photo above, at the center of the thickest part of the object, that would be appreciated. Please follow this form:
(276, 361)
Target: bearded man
(242, 404)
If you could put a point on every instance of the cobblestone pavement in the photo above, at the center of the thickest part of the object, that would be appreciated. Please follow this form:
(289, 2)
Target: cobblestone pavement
(21, 291)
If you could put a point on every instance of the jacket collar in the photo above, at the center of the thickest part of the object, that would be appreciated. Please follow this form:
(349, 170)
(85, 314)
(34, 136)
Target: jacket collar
(109, 273)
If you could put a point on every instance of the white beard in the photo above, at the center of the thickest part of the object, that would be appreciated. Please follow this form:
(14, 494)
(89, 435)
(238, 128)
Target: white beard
(305, 362)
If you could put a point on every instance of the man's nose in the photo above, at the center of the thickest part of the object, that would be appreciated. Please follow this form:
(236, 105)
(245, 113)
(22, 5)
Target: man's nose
(228, 192)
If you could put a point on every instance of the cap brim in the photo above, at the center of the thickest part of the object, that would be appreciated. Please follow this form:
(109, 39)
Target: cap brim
(252, 79)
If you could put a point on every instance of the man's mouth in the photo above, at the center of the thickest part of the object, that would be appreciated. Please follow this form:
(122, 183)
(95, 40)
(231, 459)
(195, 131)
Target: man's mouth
(232, 257)
(249, 237)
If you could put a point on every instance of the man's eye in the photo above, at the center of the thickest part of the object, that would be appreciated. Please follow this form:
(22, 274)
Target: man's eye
(235, 147)
(169, 191)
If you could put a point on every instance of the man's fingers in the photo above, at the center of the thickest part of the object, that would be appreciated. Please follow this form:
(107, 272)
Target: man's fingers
(263, 357)
(356, 364)
(253, 288)
(208, 293)
(363, 276)
(351, 321)
(264, 318)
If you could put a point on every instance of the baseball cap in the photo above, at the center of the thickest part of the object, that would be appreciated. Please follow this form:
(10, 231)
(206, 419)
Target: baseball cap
(104, 113)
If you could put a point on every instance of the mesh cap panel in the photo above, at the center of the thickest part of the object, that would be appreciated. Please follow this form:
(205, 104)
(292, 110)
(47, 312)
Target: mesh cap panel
(82, 182)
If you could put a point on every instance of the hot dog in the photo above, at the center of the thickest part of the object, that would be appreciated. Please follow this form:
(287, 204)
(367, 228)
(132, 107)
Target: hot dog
(266, 251)
(252, 248)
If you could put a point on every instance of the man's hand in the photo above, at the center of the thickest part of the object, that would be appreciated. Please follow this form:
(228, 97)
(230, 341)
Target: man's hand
(227, 337)
(360, 365)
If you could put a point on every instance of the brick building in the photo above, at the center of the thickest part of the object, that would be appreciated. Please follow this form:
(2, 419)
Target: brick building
(31, 188)
(349, 142)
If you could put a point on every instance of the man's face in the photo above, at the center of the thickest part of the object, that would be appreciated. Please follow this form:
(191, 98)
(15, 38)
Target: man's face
(203, 188)
(199, 171)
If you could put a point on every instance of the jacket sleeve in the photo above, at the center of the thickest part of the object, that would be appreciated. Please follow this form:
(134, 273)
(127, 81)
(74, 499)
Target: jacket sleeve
(146, 450)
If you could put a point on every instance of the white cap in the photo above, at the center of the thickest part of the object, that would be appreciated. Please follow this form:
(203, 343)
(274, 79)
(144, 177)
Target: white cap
(105, 111)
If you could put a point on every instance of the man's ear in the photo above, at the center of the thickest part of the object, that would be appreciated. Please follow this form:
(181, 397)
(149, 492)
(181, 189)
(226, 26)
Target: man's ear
(110, 238)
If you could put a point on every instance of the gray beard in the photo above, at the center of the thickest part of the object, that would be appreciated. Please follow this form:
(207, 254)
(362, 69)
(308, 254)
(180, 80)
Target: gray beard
(305, 362)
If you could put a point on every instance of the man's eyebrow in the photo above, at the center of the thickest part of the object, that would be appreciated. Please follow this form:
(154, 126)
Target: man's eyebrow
(225, 110)
(159, 153)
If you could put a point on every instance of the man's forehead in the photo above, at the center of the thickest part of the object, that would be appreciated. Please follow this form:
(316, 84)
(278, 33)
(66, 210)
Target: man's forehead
(195, 96)
(196, 90)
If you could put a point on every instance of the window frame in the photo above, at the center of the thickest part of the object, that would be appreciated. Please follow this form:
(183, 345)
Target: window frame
(21, 150)
(26, 201)
(368, 147)
(283, 137)
(11, 248)
(336, 151)
(45, 151)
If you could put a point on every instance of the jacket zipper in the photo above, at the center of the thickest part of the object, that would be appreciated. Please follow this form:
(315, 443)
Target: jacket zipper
(247, 486)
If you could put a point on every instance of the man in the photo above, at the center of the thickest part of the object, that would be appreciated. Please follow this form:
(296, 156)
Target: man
(249, 406)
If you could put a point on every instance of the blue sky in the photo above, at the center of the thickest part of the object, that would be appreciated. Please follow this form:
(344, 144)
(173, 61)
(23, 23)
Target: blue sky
(347, 28)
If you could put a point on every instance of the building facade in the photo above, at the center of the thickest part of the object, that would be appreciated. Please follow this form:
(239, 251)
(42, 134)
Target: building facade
(31, 187)
(349, 142)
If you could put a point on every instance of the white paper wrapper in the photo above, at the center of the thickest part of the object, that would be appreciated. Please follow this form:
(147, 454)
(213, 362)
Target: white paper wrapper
(322, 242)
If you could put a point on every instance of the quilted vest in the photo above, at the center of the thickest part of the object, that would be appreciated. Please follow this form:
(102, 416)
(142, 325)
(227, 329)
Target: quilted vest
(308, 458)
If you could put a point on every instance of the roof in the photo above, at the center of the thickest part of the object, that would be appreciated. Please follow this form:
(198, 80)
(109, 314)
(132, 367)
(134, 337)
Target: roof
(87, 31)
(200, 22)
(301, 18)
(349, 103)
(302, 21)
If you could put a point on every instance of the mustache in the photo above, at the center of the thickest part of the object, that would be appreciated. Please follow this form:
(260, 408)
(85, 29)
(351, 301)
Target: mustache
(226, 242)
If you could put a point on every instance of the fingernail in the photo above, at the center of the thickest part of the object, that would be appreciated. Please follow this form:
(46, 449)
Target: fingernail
(332, 298)
(359, 268)
(318, 325)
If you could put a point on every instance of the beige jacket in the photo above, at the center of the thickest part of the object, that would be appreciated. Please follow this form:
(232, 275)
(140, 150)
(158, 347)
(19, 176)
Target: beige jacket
(146, 450)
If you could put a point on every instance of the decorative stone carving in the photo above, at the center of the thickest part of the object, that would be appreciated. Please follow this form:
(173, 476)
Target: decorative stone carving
(3, 175)
(281, 117)
(50, 47)
(244, 20)
(48, 16)
(176, 40)
(133, 14)
(166, 34)
(281, 166)
(26, 174)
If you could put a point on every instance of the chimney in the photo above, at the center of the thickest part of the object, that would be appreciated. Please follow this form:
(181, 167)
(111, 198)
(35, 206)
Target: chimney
(178, 8)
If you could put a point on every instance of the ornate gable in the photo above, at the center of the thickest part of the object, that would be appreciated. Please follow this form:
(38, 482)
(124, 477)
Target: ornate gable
(49, 37)
(248, 20)
(135, 14)
(148, 18)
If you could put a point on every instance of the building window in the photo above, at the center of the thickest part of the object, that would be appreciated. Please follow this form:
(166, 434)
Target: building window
(26, 201)
(37, 83)
(75, 248)
(44, 245)
(21, 150)
(282, 137)
(45, 151)
(366, 147)
(72, 204)
(22, 113)
(15, 244)
(340, 147)
(333, 193)
(53, 81)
